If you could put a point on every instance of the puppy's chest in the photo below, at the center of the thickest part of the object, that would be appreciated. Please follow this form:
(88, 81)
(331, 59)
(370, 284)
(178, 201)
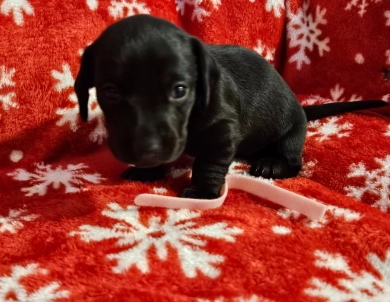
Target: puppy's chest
(199, 142)
(192, 147)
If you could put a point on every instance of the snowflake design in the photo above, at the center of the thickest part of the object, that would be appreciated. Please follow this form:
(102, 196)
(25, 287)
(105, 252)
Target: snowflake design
(16, 155)
(276, 5)
(17, 7)
(11, 285)
(332, 213)
(6, 81)
(266, 52)
(387, 15)
(81, 52)
(160, 190)
(117, 8)
(241, 168)
(303, 32)
(69, 115)
(362, 286)
(377, 182)
(198, 11)
(329, 128)
(12, 222)
(281, 230)
(314, 100)
(92, 4)
(361, 5)
(72, 177)
(337, 93)
(307, 168)
(179, 231)
(388, 131)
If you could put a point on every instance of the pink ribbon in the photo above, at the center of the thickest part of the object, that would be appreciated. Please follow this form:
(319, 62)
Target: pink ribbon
(306, 206)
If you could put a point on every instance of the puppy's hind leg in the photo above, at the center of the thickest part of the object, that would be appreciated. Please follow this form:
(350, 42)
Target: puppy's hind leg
(287, 159)
(144, 174)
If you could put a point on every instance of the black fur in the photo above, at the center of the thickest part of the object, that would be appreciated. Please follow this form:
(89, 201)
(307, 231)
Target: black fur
(235, 104)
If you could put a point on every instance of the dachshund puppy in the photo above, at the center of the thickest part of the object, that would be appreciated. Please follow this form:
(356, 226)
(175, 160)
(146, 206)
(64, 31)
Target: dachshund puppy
(164, 92)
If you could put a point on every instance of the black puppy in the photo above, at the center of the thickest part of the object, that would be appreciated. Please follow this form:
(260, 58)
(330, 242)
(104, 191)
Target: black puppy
(164, 92)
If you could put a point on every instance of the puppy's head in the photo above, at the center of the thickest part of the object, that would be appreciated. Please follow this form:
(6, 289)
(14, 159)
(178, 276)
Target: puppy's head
(149, 77)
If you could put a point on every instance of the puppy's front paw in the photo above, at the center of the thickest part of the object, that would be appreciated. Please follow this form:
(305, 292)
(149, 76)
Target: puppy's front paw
(270, 168)
(198, 193)
(143, 175)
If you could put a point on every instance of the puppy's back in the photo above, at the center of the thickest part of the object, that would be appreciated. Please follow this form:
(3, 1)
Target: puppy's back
(263, 94)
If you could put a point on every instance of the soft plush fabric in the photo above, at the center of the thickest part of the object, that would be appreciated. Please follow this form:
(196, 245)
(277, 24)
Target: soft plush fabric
(69, 229)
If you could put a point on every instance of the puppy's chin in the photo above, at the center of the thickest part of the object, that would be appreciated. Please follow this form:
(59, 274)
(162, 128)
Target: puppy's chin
(154, 162)
(128, 157)
(147, 163)
(138, 163)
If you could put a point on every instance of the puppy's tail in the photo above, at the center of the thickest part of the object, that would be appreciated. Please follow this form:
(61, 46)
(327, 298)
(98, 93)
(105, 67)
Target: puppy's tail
(315, 112)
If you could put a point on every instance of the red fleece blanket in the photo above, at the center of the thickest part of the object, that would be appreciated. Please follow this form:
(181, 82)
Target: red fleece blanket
(69, 229)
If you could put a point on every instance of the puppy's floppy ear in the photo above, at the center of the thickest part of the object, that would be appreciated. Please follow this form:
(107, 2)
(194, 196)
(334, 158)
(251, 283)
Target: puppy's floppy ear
(208, 73)
(84, 81)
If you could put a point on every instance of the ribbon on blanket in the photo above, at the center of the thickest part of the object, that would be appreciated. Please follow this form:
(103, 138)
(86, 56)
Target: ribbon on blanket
(306, 206)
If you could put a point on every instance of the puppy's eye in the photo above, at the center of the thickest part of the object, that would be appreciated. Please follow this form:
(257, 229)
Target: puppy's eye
(179, 92)
(110, 92)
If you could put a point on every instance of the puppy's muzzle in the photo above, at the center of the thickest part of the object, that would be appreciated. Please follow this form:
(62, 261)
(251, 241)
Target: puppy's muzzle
(149, 150)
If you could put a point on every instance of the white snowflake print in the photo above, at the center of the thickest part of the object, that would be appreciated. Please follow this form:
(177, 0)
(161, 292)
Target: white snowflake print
(310, 100)
(281, 230)
(329, 128)
(337, 95)
(92, 4)
(160, 190)
(307, 168)
(12, 285)
(361, 5)
(388, 131)
(360, 286)
(198, 11)
(238, 168)
(179, 231)
(7, 99)
(252, 298)
(12, 222)
(16, 155)
(287, 214)
(266, 52)
(123, 8)
(81, 52)
(332, 213)
(72, 178)
(303, 32)
(17, 8)
(314, 100)
(242, 169)
(387, 15)
(359, 58)
(377, 182)
(276, 5)
(69, 115)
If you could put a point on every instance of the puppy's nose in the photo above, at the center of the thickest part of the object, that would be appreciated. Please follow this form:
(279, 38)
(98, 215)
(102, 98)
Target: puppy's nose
(149, 150)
